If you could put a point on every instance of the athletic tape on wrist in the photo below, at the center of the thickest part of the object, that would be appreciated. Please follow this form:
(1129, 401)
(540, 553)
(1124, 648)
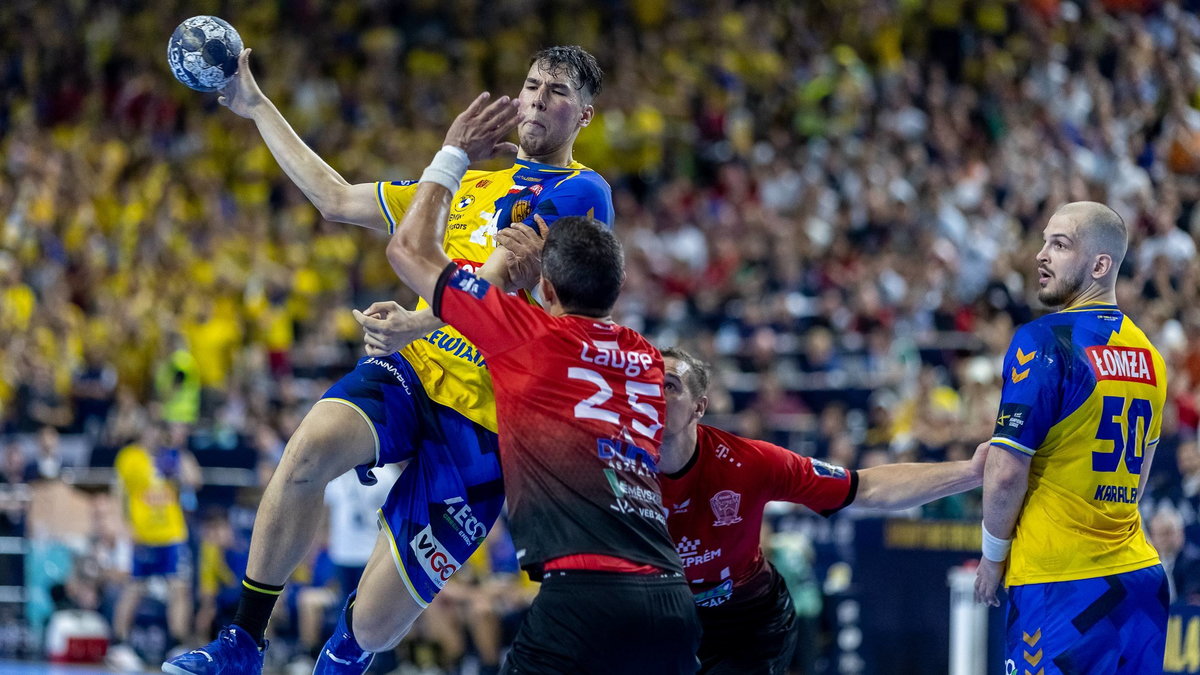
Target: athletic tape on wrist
(995, 548)
(447, 168)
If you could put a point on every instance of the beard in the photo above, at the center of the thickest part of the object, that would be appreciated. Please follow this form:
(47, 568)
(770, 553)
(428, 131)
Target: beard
(1061, 288)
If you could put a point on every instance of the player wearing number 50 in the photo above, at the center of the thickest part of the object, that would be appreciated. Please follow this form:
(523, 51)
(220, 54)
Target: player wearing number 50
(580, 406)
(1080, 414)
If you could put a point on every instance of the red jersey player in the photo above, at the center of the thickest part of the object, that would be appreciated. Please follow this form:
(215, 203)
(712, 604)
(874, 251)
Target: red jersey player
(715, 485)
(580, 406)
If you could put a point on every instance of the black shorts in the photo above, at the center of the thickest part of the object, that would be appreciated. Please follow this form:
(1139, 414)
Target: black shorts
(603, 623)
(754, 637)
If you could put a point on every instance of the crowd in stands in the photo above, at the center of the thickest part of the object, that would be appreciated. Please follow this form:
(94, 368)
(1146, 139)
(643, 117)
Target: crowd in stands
(836, 203)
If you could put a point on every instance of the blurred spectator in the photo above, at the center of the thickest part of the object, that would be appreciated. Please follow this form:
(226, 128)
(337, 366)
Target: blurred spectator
(1180, 559)
(221, 564)
(47, 464)
(177, 384)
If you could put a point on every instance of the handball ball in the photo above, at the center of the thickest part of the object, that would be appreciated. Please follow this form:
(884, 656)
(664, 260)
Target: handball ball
(203, 52)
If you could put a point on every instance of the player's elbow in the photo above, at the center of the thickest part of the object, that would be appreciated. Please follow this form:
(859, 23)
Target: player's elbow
(335, 203)
(1009, 475)
(404, 250)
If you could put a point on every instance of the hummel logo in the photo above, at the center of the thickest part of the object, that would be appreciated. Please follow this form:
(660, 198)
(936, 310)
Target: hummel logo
(1023, 358)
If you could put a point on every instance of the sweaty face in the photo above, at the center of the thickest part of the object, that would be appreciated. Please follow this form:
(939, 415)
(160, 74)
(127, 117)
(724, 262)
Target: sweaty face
(680, 403)
(1064, 264)
(551, 110)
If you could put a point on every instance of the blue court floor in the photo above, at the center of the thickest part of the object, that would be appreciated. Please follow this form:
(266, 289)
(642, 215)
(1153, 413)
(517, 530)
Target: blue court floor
(28, 668)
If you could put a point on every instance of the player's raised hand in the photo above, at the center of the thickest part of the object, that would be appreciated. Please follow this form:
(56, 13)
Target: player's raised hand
(388, 327)
(988, 576)
(242, 94)
(524, 246)
(480, 129)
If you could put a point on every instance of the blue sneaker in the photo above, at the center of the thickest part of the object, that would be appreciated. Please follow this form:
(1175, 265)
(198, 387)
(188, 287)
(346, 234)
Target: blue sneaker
(341, 654)
(234, 652)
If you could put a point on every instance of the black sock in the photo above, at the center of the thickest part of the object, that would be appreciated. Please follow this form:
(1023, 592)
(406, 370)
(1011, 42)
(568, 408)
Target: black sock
(254, 607)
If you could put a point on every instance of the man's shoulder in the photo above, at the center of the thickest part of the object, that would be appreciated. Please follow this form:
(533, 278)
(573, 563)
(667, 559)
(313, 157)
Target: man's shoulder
(726, 443)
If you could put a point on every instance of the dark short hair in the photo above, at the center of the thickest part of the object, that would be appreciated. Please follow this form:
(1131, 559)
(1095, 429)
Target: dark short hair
(696, 377)
(584, 262)
(580, 65)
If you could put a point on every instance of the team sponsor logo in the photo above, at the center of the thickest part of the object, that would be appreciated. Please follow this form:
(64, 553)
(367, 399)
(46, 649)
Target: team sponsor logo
(390, 368)
(402, 183)
(470, 284)
(464, 202)
(635, 499)
(521, 210)
(623, 455)
(682, 508)
(458, 515)
(626, 490)
(483, 183)
(725, 506)
(690, 553)
(827, 470)
(610, 355)
(455, 345)
(1123, 364)
(1011, 419)
(717, 595)
(537, 188)
(437, 562)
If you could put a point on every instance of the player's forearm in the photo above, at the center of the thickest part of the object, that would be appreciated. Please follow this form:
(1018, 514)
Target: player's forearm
(318, 181)
(415, 250)
(901, 486)
(495, 271)
(1005, 482)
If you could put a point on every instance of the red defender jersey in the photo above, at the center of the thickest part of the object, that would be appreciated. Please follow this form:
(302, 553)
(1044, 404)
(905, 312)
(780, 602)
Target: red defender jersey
(580, 409)
(715, 508)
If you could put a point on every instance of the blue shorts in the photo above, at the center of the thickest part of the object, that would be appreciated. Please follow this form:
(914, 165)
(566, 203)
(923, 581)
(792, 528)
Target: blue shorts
(448, 497)
(158, 561)
(1112, 625)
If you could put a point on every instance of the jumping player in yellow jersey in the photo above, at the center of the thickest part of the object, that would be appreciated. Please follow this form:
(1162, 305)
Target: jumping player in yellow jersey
(1080, 415)
(431, 403)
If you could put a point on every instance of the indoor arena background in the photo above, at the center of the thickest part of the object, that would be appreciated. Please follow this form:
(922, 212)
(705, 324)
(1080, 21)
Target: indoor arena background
(836, 203)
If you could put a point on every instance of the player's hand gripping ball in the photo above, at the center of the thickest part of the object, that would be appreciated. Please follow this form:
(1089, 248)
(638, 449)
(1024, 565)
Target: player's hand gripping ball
(203, 52)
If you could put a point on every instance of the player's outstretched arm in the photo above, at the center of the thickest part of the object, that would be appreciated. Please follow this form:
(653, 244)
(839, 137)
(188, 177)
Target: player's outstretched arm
(336, 199)
(415, 249)
(901, 486)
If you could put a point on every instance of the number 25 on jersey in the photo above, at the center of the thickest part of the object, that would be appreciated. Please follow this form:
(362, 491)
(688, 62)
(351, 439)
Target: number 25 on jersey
(643, 417)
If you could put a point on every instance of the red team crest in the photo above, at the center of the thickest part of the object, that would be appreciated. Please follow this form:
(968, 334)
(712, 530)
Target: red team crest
(725, 507)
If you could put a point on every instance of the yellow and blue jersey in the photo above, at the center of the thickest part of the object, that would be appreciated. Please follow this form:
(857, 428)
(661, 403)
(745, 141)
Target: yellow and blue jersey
(152, 499)
(450, 368)
(1083, 396)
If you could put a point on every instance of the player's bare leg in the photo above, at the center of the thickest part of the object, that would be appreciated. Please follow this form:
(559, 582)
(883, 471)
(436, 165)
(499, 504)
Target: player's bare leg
(332, 439)
(374, 619)
(122, 657)
(384, 611)
(179, 609)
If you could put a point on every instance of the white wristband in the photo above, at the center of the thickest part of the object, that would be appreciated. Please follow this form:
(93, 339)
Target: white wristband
(447, 168)
(995, 548)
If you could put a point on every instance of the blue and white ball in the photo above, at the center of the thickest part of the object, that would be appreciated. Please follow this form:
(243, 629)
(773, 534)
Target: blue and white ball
(203, 52)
